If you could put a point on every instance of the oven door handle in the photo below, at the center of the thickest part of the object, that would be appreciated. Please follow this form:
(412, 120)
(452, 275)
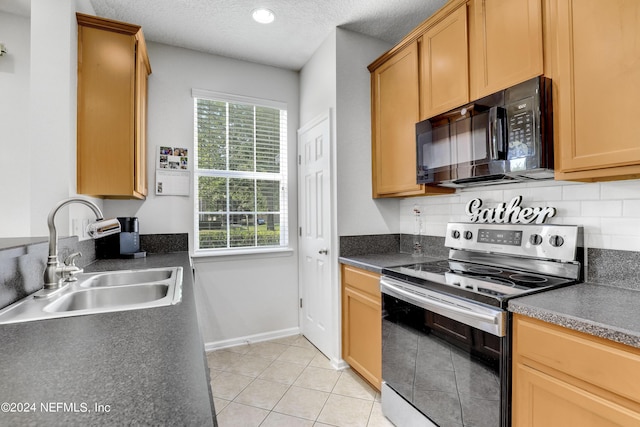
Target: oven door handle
(492, 322)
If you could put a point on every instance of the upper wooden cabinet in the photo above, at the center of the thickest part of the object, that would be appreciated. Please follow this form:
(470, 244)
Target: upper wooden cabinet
(505, 44)
(563, 377)
(113, 67)
(395, 110)
(596, 75)
(444, 65)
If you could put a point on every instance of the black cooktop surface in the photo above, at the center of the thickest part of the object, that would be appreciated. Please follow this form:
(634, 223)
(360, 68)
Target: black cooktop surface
(487, 284)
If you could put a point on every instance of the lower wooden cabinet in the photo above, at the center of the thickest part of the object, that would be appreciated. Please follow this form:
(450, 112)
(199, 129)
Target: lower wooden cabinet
(362, 323)
(564, 378)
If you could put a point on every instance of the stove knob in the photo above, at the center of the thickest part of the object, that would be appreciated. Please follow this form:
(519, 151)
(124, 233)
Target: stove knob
(468, 235)
(556, 241)
(455, 234)
(535, 239)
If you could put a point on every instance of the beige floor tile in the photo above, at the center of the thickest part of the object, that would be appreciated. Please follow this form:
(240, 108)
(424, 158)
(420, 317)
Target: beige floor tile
(346, 411)
(322, 425)
(282, 372)
(220, 359)
(248, 365)
(304, 343)
(321, 361)
(239, 349)
(267, 350)
(275, 419)
(228, 385)
(318, 379)
(262, 394)
(287, 340)
(237, 415)
(298, 355)
(214, 373)
(301, 402)
(377, 419)
(220, 404)
(351, 385)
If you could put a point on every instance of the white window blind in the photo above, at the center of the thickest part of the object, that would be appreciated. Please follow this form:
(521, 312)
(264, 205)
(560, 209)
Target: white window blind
(240, 173)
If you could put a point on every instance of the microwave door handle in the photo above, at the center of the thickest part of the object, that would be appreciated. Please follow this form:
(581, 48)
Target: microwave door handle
(493, 133)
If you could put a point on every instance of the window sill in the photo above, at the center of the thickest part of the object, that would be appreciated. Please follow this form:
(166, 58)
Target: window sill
(251, 252)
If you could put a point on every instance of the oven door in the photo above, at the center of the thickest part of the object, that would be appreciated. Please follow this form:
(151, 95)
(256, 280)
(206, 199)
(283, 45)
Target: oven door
(444, 356)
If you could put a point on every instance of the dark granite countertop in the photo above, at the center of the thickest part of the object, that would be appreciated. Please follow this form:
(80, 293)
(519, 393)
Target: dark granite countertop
(376, 262)
(603, 311)
(139, 367)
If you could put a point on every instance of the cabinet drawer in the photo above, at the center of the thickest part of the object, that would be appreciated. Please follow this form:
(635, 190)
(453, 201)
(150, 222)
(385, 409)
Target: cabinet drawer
(608, 365)
(363, 280)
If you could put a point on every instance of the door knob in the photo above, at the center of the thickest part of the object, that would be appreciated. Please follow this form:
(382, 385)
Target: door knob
(323, 251)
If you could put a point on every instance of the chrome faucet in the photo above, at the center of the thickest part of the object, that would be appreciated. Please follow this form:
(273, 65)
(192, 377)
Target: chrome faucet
(55, 273)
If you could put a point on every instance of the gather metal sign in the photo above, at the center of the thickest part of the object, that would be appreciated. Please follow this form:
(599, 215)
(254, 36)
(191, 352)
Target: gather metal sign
(508, 213)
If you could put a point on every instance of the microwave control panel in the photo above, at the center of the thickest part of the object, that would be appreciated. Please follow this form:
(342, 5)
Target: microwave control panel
(521, 128)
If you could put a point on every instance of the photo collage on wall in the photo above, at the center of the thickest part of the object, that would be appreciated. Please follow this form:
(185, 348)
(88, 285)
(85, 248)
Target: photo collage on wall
(172, 171)
(174, 158)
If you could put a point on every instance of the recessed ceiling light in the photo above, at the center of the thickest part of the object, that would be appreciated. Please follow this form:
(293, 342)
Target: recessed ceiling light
(263, 16)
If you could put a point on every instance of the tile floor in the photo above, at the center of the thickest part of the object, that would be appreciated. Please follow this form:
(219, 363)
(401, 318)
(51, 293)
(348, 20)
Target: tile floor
(288, 382)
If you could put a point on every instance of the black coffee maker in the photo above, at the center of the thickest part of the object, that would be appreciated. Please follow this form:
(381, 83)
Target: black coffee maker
(126, 244)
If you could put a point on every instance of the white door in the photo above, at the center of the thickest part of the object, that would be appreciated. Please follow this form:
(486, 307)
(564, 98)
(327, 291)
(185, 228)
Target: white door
(314, 214)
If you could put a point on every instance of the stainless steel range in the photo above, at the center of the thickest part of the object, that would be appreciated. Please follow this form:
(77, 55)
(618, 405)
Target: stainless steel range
(445, 328)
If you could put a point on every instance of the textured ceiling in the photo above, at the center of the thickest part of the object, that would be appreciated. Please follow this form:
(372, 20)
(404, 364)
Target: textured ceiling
(225, 27)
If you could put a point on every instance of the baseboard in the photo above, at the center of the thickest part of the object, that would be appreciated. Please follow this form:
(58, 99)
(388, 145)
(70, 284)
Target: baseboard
(339, 364)
(250, 339)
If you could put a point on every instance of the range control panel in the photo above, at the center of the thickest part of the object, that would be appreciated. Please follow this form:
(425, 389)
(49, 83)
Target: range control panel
(557, 242)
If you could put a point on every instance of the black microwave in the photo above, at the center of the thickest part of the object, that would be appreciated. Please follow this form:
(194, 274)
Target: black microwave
(504, 137)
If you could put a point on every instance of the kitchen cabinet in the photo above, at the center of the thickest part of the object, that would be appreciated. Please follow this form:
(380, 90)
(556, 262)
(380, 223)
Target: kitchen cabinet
(466, 50)
(362, 323)
(563, 377)
(596, 70)
(113, 67)
(505, 44)
(444, 67)
(395, 110)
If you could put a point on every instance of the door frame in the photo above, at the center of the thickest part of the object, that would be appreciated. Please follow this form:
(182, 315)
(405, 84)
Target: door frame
(335, 357)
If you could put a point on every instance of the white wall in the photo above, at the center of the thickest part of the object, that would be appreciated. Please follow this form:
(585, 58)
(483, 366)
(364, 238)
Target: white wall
(358, 213)
(14, 125)
(38, 88)
(238, 296)
(608, 211)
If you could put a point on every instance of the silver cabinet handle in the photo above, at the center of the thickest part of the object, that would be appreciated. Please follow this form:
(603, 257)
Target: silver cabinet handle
(323, 251)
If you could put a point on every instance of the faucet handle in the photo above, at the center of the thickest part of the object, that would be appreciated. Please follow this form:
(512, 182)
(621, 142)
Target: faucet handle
(71, 259)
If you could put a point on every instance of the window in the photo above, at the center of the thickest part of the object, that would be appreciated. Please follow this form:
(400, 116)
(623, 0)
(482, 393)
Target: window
(240, 172)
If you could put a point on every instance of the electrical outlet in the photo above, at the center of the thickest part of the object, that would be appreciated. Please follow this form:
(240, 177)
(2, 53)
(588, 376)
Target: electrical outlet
(76, 226)
(85, 225)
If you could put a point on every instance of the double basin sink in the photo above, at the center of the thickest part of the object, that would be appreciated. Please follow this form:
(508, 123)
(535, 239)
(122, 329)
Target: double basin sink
(102, 292)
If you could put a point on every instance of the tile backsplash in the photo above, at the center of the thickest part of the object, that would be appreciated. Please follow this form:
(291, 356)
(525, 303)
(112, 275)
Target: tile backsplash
(608, 211)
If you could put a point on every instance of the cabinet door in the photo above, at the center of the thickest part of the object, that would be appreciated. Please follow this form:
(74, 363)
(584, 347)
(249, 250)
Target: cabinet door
(395, 113)
(142, 73)
(541, 400)
(444, 65)
(362, 324)
(596, 75)
(563, 377)
(106, 84)
(505, 40)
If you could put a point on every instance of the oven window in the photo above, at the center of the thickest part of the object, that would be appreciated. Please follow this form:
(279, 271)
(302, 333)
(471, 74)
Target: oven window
(447, 370)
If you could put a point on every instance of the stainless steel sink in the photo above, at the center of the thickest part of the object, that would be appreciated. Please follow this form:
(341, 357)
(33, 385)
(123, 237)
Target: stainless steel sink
(129, 277)
(101, 293)
(118, 296)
